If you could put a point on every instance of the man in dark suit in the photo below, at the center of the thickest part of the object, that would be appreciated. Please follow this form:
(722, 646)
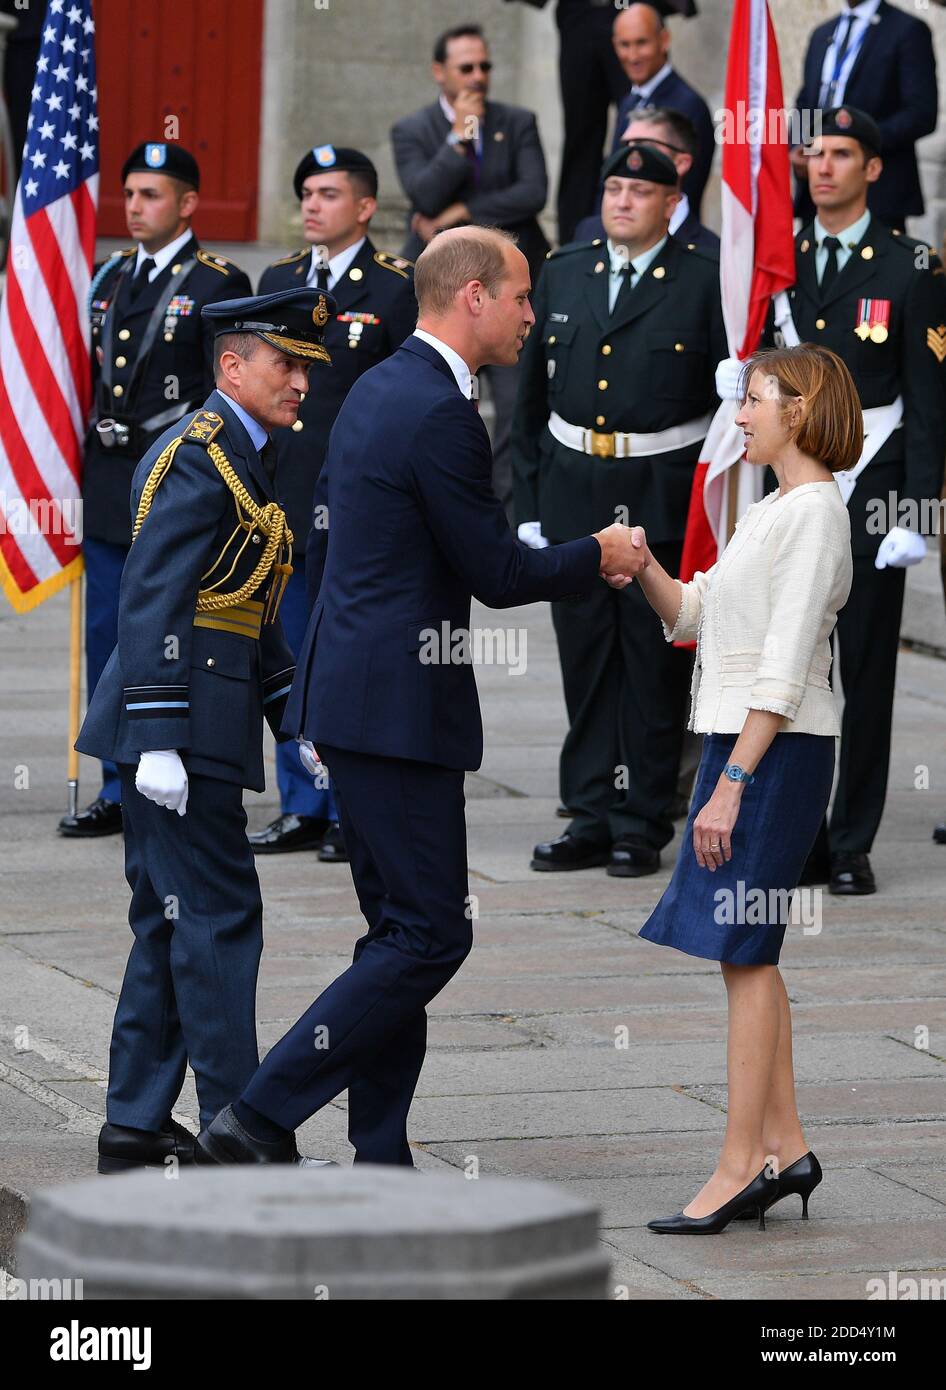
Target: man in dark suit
(466, 159)
(179, 708)
(385, 689)
(642, 44)
(375, 311)
(616, 396)
(151, 364)
(880, 60)
(674, 135)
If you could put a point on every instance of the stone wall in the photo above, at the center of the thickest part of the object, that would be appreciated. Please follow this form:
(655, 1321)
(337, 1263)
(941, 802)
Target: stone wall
(342, 71)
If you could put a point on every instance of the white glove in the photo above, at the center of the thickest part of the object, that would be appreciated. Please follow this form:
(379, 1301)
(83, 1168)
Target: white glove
(162, 778)
(900, 548)
(728, 377)
(309, 757)
(530, 533)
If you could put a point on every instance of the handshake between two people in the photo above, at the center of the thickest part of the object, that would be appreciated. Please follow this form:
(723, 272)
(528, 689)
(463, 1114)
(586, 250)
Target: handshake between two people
(624, 553)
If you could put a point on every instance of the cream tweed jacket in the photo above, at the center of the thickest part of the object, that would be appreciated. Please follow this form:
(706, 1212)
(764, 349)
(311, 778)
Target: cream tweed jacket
(763, 615)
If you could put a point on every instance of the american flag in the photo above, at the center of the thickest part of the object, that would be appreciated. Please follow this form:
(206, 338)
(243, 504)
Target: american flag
(45, 378)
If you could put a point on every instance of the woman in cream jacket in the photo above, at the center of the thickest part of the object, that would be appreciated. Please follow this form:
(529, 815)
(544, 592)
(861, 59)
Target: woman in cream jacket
(762, 617)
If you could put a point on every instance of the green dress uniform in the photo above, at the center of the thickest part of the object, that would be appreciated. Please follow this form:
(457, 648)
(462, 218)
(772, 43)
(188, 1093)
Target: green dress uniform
(633, 392)
(884, 314)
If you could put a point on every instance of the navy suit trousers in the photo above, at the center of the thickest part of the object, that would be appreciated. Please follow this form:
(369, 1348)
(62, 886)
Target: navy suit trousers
(104, 563)
(405, 833)
(189, 992)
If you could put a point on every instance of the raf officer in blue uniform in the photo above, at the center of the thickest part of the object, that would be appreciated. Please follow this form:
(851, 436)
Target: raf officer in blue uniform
(375, 311)
(152, 364)
(415, 530)
(200, 659)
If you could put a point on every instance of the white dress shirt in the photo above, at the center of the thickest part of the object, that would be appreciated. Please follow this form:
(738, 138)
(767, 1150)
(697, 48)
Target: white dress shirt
(461, 372)
(337, 265)
(647, 89)
(163, 257)
(680, 214)
(861, 17)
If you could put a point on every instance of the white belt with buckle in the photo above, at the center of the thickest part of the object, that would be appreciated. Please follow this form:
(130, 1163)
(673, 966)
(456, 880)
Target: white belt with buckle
(622, 446)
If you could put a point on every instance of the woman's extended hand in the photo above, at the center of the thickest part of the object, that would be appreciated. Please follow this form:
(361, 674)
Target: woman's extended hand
(713, 827)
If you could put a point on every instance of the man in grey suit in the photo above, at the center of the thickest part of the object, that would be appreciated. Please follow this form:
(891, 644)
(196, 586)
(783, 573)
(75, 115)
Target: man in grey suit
(466, 159)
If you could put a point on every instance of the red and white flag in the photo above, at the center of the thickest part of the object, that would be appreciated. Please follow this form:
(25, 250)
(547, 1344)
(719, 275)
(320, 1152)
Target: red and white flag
(45, 378)
(757, 261)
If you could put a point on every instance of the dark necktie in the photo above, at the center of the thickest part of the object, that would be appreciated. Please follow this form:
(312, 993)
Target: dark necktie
(141, 278)
(830, 272)
(321, 279)
(268, 459)
(625, 289)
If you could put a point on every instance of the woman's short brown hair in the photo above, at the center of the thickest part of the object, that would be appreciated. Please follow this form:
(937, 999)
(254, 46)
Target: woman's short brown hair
(831, 428)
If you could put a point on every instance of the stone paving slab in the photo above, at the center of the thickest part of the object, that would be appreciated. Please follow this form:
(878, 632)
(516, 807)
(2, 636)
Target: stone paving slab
(523, 1074)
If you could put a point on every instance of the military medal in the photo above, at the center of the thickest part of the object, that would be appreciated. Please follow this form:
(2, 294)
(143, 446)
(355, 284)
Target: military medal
(355, 331)
(873, 320)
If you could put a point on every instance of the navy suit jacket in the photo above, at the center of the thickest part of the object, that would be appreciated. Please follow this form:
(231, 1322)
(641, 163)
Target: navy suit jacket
(677, 94)
(894, 80)
(414, 531)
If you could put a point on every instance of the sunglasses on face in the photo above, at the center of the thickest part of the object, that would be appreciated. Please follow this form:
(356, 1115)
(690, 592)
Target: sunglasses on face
(466, 68)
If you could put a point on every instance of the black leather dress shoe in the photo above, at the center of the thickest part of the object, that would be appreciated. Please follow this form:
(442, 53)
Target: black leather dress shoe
(567, 852)
(333, 849)
(289, 832)
(100, 818)
(226, 1141)
(564, 812)
(122, 1149)
(851, 874)
(632, 858)
(939, 833)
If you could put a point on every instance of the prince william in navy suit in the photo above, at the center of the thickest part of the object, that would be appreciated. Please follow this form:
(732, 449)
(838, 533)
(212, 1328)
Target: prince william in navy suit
(414, 532)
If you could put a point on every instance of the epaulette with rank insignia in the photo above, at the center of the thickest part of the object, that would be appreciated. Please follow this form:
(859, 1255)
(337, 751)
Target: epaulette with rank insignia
(706, 253)
(204, 427)
(571, 246)
(399, 264)
(295, 256)
(219, 263)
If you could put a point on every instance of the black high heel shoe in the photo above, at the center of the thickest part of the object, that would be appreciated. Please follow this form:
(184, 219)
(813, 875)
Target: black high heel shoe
(802, 1176)
(760, 1194)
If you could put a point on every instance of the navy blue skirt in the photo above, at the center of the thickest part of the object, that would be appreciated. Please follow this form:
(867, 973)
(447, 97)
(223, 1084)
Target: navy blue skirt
(739, 913)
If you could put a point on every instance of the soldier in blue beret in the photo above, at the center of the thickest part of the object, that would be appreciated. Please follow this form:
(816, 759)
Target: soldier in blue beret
(145, 304)
(375, 311)
(200, 659)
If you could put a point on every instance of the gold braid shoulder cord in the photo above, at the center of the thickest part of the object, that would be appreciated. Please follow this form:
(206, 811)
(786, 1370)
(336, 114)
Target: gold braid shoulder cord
(271, 520)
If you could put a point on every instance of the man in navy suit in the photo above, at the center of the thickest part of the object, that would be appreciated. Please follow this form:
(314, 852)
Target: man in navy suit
(642, 43)
(675, 136)
(386, 689)
(880, 60)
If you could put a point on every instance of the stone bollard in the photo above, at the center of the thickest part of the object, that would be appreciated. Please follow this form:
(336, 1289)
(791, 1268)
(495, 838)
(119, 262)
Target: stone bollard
(345, 1233)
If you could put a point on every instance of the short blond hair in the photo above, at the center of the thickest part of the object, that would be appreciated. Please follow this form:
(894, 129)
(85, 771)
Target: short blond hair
(454, 258)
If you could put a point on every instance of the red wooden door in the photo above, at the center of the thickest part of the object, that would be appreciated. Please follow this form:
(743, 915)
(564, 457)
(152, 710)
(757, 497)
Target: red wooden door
(199, 62)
